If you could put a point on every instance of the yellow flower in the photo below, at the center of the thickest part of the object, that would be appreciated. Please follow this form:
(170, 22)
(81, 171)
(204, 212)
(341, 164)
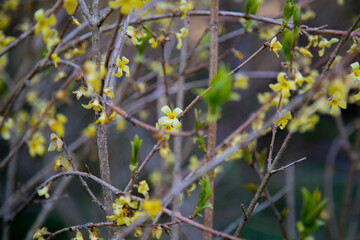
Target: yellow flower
(241, 81)
(94, 104)
(283, 85)
(356, 70)
(120, 123)
(77, 23)
(137, 232)
(155, 177)
(156, 232)
(179, 44)
(50, 37)
(89, 131)
(335, 103)
(305, 52)
(4, 40)
(103, 119)
(184, 7)
(78, 236)
(43, 22)
(121, 64)
(112, 116)
(282, 122)
(92, 77)
(10, 5)
(303, 123)
(5, 20)
(275, 46)
(39, 233)
(171, 116)
(55, 143)
(326, 43)
(153, 43)
(93, 234)
(6, 127)
(143, 188)
(36, 145)
(299, 80)
(58, 163)
(44, 191)
(109, 93)
(57, 125)
(357, 96)
(82, 91)
(313, 40)
(152, 207)
(123, 210)
(130, 31)
(126, 5)
(193, 162)
(55, 59)
(70, 6)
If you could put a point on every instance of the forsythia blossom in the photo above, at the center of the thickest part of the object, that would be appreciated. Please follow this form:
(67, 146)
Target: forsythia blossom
(355, 70)
(122, 67)
(152, 207)
(282, 122)
(335, 103)
(126, 5)
(43, 22)
(275, 46)
(283, 85)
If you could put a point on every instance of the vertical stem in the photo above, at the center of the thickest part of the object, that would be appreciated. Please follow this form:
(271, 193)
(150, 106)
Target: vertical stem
(346, 200)
(9, 190)
(166, 84)
(208, 215)
(178, 140)
(101, 129)
(290, 202)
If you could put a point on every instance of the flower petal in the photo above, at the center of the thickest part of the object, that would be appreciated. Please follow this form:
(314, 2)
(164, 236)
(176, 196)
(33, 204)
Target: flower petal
(166, 110)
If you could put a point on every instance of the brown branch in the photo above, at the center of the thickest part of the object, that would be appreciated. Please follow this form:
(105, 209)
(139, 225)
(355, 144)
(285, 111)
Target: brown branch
(83, 182)
(141, 124)
(206, 229)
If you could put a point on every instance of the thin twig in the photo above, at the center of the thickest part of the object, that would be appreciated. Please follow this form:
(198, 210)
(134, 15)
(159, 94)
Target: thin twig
(142, 166)
(288, 165)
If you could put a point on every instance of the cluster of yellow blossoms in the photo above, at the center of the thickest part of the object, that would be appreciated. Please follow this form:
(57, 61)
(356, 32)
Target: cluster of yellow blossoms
(126, 211)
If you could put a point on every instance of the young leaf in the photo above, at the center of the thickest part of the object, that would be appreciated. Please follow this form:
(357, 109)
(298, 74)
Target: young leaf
(310, 214)
(260, 158)
(204, 196)
(288, 10)
(219, 93)
(297, 16)
(135, 147)
(287, 43)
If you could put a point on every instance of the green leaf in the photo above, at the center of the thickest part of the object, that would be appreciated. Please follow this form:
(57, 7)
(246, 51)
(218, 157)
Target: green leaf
(204, 196)
(219, 93)
(297, 16)
(287, 43)
(284, 213)
(250, 187)
(310, 214)
(288, 10)
(251, 6)
(248, 156)
(205, 40)
(135, 147)
(260, 158)
(143, 41)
